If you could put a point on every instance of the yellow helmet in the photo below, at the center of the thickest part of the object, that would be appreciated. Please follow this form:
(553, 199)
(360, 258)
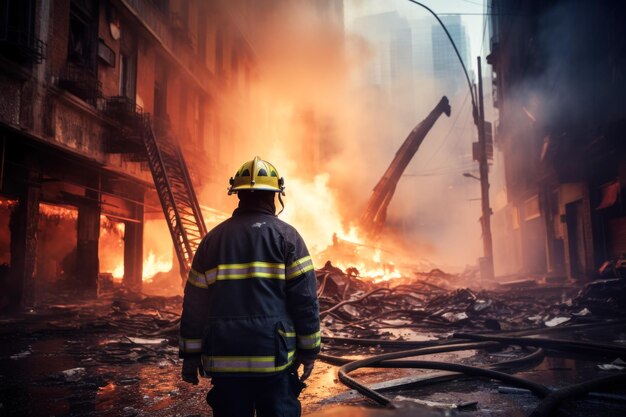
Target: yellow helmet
(257, 174)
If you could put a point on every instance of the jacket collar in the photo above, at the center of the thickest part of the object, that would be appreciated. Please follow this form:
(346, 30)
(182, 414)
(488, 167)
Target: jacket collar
(258, 207)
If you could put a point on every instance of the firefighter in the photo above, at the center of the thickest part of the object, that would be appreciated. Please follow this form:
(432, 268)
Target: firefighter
(250, 312)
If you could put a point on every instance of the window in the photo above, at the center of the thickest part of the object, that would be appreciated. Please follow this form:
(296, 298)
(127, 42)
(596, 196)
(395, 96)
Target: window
(202, 36)
(219, 52)
(160, 108)
(183, 114)
(127, 76)
(162, 5)
(17, 40)
(198, 120)
(128, 65)
(82, 41)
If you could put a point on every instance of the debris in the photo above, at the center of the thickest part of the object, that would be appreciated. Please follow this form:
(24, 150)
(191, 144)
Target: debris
(143, 341)
(556, 321)
(611, 367)
(481, 305)
(584, 312)
(453, 318)
(21, 355)
(129, 412)
(604, 297)
(617, 365)
(74, 374)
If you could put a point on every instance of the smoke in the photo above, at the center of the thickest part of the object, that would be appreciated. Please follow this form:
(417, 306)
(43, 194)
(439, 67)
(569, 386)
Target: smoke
(571, 81)
(331, 134)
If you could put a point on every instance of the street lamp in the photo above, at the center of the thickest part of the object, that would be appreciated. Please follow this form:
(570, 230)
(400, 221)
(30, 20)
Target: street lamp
(478, 111)
(468, 175)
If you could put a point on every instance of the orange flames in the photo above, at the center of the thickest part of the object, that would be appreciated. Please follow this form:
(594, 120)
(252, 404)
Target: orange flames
(158, 251)
(357, 255)
(311, 206)
(50, 210)
(154, 264)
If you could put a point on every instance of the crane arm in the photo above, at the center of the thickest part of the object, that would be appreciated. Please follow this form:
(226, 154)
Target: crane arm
(374, 216)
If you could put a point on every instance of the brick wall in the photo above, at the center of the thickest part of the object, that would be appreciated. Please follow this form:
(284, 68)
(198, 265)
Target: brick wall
(57, 43)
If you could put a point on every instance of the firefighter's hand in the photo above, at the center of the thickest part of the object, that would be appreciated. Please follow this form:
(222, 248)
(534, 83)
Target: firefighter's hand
(190, 370)
(308, 362)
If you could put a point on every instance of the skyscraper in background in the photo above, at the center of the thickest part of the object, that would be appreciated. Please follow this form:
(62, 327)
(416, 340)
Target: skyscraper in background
(422, 47)
(389, 74)
(445, 62)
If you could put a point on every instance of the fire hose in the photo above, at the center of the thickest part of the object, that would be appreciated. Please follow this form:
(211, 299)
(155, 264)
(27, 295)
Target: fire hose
(551, 400)
(385, 360)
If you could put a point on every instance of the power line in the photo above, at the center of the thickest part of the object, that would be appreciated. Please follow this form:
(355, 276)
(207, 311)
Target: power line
(482, 42)
(458, 54)
(456, 144)
(458, 114)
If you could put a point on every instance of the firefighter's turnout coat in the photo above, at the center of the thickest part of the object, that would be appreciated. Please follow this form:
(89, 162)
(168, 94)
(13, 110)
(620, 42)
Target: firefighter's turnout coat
(250, 301)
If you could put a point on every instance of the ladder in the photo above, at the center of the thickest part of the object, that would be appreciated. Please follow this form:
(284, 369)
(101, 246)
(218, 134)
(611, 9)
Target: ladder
(176, 193)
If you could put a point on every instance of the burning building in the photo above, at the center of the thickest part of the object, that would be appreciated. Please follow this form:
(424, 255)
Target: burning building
(86, 85)
(559, 87)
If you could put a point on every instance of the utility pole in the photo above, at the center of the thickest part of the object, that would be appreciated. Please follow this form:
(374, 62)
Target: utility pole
(486, 262)
(480, 150)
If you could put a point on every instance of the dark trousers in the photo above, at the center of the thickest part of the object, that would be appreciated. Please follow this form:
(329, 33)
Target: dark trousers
(269, 396)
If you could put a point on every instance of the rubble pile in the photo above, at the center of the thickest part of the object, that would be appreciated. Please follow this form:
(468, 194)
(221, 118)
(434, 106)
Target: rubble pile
(132, 328)
(127, 327)
(606, 297)
(355, 307)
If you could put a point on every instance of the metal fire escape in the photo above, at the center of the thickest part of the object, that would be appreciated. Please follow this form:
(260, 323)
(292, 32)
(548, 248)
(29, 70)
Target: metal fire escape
(176, 193)
(375, 214)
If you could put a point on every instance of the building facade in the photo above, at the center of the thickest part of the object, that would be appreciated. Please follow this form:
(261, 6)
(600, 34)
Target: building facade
(80, 79)
(559, 87)
(445, 61)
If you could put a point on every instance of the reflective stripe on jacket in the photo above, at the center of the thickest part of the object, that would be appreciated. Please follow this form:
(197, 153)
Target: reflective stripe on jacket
(250, 303)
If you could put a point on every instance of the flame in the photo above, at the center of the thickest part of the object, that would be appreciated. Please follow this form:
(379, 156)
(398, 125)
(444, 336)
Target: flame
(50, 210)
(315, 210)
(368, 263)
(118, 272)
(152, 265)
(7, 203)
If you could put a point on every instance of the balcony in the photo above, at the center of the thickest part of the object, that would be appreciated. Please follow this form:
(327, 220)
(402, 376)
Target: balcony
(19, 44)
(125, 112)
(128, 120)
(80, 81)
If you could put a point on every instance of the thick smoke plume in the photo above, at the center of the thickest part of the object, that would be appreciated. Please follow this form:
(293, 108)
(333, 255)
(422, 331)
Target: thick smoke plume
(331, 137)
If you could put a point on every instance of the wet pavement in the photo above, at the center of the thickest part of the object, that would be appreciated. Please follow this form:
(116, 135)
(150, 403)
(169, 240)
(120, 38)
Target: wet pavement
(117, 356)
